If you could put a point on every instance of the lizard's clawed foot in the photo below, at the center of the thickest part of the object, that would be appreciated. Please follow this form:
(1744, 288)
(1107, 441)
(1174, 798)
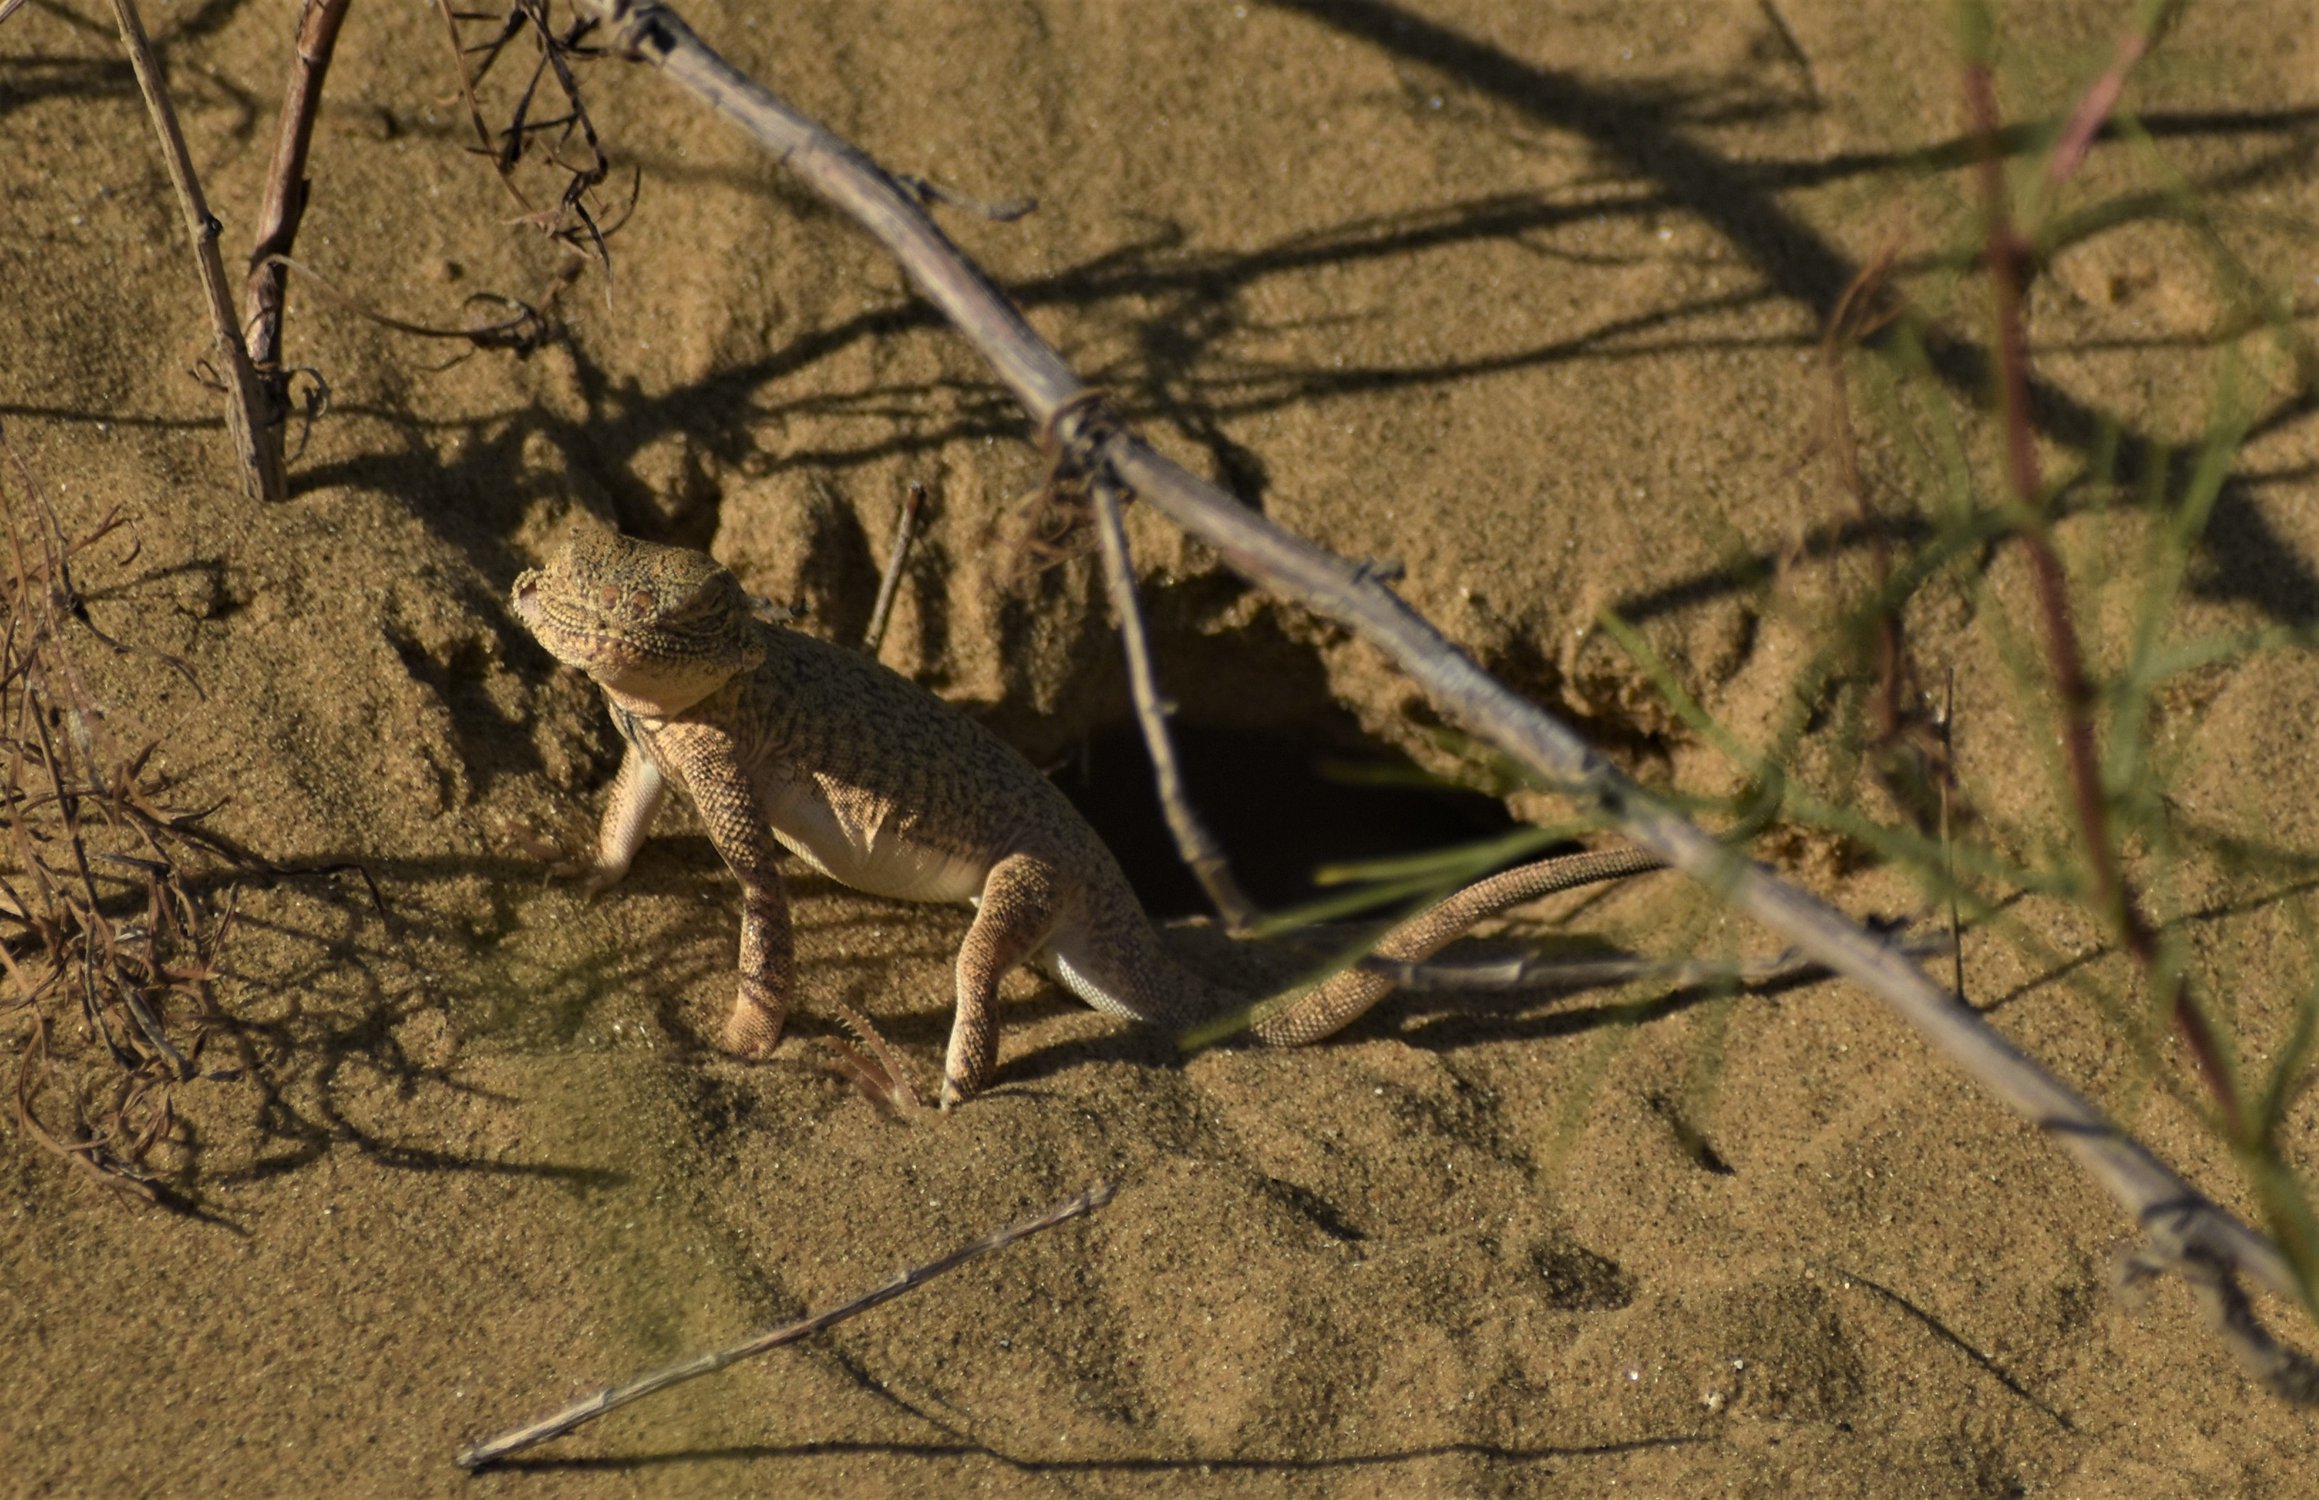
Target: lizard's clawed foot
(752, 1031)
(593, 879)
(957, 1090)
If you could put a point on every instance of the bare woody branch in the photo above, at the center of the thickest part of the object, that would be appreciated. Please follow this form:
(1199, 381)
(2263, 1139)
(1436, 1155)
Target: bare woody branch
(1199, 849)
(2009, 255)
(897, 558)
(2177, 1220)
(245, 408)
(515, 1440)
(285, 205)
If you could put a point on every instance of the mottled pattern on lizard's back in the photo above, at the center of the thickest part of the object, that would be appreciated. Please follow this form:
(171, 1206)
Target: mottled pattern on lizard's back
(933, 775)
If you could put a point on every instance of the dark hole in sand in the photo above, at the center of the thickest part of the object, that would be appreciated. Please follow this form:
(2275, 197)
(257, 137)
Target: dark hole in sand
(1282, 805)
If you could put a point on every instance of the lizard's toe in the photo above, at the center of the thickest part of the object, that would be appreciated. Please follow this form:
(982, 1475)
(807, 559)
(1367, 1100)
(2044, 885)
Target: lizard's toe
(589, 879)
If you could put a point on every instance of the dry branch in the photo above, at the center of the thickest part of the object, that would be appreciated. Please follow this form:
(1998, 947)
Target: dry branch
(2178, 1221)
(1543, 971)
(94, 914)
(1198, 848)
(570, 221)
(245, 407)
(2009, 256)
(492, 1450)
(897, 558)
(285, 204)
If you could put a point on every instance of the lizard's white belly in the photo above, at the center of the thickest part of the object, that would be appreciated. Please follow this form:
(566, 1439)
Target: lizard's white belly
(857, 847)
(1069, 957)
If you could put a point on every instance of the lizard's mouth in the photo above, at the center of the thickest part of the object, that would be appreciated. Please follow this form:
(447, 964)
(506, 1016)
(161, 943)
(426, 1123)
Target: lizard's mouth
(567, 634)
(540, 607)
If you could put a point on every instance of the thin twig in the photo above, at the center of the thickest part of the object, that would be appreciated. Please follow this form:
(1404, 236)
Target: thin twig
(1947, 729)
(930, 192)
(569, 220)
(68, 800)
(1198, 848)
(2010, 256)
(897, 557)
(1856, 316)
(506, 170)
(2177, 1219)
(492, 1450)
(287, 190)
(2101, 97)
(245, 408)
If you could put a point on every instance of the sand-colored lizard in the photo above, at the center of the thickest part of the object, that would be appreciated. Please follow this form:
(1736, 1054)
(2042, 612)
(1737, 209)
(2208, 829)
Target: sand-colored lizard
(785, 741)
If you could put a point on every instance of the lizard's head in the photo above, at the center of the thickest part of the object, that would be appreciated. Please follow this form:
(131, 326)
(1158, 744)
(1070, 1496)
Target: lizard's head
(660, 627)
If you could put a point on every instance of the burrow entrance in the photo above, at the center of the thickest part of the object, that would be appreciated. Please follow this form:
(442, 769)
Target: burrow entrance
(1283, 802)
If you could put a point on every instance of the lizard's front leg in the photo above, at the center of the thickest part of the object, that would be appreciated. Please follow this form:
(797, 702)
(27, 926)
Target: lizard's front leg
(637, 793)
(737, 825)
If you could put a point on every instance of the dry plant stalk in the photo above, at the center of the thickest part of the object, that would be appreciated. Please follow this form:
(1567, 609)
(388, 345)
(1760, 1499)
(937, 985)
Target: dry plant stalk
(897, 558)
(245, 408)
(492, 1450)
(109, 956)
(566, 141)
(2009, 257)
(285, 205)
(2182, 1227)
(1201, 854)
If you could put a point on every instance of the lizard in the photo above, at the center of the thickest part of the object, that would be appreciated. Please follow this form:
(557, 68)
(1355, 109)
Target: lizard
(787, 742)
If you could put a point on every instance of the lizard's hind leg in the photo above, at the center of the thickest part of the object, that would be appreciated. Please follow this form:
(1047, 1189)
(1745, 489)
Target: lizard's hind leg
(1014, 920)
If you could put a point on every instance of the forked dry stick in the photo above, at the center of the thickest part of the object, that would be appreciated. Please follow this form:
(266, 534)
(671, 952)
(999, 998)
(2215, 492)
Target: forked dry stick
(2010, 256)
(245, 403)
(1201, 854)
(2179, 1222)
(285, 204)
(515, 1440)
(85, 838)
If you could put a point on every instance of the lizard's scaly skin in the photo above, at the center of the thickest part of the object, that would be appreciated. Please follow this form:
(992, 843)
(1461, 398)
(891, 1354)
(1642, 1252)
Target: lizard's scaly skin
(784, 741)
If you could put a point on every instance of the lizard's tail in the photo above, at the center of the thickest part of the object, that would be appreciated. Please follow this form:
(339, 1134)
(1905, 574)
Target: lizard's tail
(1331, 1006)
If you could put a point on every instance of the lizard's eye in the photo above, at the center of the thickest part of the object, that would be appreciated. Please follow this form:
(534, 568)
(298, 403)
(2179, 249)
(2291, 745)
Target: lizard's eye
(700, 601)
(609, 598)
(641, 602)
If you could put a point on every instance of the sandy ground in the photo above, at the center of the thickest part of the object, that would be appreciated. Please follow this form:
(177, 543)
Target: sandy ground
(1526, 298)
